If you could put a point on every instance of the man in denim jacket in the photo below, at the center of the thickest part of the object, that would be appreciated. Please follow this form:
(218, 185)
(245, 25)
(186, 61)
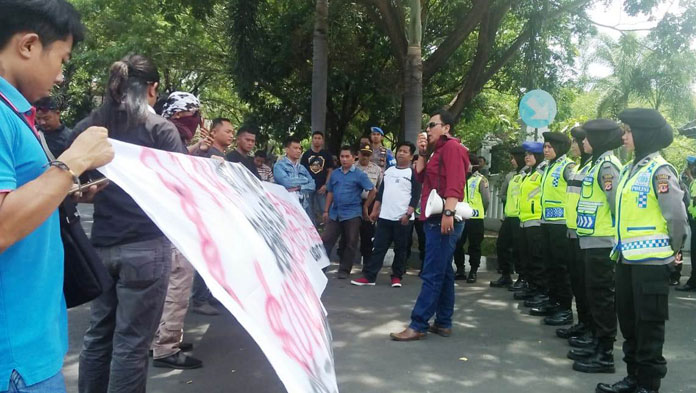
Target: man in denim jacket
(289, 173)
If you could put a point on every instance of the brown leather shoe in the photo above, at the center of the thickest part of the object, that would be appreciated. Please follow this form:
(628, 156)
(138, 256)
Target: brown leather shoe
(408, 335)
(440, 331)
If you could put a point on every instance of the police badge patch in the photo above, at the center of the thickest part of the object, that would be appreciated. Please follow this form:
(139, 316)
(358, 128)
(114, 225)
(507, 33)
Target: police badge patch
(662, 187)
(662, 183)
(607, 180)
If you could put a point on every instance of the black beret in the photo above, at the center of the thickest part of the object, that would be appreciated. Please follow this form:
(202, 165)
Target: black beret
(600, 125)
(643, 118)
(577, 133)
(556, 137)
(517, 150)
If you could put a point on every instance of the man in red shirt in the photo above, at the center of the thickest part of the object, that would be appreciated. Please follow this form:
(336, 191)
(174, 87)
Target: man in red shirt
(445, 171)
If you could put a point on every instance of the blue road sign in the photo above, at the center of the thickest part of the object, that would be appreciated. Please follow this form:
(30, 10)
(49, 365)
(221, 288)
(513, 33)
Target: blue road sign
(537, 109)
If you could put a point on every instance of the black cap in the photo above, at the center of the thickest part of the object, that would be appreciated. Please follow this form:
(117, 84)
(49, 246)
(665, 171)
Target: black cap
(559, 141)
(578, 133)
(46, 104)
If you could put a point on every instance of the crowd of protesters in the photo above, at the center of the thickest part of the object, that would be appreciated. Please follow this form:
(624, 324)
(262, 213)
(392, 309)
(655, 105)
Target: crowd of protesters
(579, 224)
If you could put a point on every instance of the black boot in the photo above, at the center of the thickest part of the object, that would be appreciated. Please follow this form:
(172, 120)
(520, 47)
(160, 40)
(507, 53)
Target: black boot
(601, 362)
(580, 353)
(460, 276)
(687, 287)
(519, 285)
(626, 385)
(545, 310)
(573, 331)
(528, 293)
(586, 341)
(472, 277)
(563, 317)
(537, 301)
(503, 282)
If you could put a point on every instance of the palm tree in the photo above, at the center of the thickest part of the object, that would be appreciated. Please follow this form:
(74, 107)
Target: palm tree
(624, 58)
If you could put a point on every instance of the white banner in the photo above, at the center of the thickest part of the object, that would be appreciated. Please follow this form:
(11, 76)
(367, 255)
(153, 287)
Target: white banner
(253, 245)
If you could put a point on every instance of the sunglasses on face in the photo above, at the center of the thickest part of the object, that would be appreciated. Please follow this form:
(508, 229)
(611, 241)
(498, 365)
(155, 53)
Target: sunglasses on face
(432, 124)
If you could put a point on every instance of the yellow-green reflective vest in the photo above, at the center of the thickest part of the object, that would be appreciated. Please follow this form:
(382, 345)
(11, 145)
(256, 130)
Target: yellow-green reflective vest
(641, 229)
(473, 196)
(553, 190)
(692, 195)
(594, 213)
(530, 196)
(573, 196)
(512, 204)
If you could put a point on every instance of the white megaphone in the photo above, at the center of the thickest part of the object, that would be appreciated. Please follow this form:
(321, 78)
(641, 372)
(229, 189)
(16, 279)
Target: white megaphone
(436, 204)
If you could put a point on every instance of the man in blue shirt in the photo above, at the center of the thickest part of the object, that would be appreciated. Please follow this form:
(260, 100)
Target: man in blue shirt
(36, 38)
(344, 208)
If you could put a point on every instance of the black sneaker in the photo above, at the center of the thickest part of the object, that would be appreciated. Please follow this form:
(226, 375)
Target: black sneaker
(472, 278)
(178, 361)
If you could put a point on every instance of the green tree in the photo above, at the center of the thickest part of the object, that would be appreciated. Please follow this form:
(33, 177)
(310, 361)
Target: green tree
(184, 38)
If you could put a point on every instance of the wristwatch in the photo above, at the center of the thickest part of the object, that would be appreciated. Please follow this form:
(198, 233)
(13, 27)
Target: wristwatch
(448, 213)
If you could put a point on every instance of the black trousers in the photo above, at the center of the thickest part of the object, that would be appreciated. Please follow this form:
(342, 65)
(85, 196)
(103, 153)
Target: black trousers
(601, 295)
(576, 270)
(420, 235)
(509, 245)
(387, 232)
(349, 230)
(473, 232)
(642, 293)
(556, 249)
(533, 258)
(367, 233)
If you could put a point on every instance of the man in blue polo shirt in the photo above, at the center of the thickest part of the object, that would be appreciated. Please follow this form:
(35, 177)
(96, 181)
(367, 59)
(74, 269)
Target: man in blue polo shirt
(344, 208)
(36, 38)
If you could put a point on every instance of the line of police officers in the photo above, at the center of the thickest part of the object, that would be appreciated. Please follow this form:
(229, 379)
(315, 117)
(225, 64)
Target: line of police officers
(602, 233)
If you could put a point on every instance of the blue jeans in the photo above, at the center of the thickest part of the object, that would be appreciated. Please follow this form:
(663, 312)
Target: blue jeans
(125, 317)
(55, 384)
(437, 293)
(317, 203)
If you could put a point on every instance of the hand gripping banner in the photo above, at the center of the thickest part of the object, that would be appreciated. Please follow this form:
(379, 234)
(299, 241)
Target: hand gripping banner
(253, 245)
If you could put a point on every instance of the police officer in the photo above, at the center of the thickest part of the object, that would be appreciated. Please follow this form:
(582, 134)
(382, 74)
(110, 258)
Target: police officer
(510, 236)
(533, 267)
(576, 257)
(690, 285)
(595, 230)
(556, 245)
(478, 196)
(651, 225)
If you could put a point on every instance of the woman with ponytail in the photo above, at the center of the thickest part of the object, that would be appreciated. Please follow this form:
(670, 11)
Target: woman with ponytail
(124, 319)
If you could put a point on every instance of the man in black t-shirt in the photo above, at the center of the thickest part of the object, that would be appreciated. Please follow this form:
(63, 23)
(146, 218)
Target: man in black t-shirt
(319, 163)
(246, 140)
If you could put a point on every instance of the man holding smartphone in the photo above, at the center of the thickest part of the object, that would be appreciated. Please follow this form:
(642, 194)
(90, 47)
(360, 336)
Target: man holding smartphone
(445, 171)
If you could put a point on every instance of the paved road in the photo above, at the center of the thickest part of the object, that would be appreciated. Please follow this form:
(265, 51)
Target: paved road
(495, 347)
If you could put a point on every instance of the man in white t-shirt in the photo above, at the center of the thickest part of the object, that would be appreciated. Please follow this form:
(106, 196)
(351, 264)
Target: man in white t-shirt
(396, 201)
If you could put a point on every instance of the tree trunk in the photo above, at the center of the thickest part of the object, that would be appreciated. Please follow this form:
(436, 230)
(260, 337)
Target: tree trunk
(320, 66)
(413, 77)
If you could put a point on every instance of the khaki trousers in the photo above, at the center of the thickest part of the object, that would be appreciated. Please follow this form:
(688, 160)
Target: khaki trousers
(171, 327)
